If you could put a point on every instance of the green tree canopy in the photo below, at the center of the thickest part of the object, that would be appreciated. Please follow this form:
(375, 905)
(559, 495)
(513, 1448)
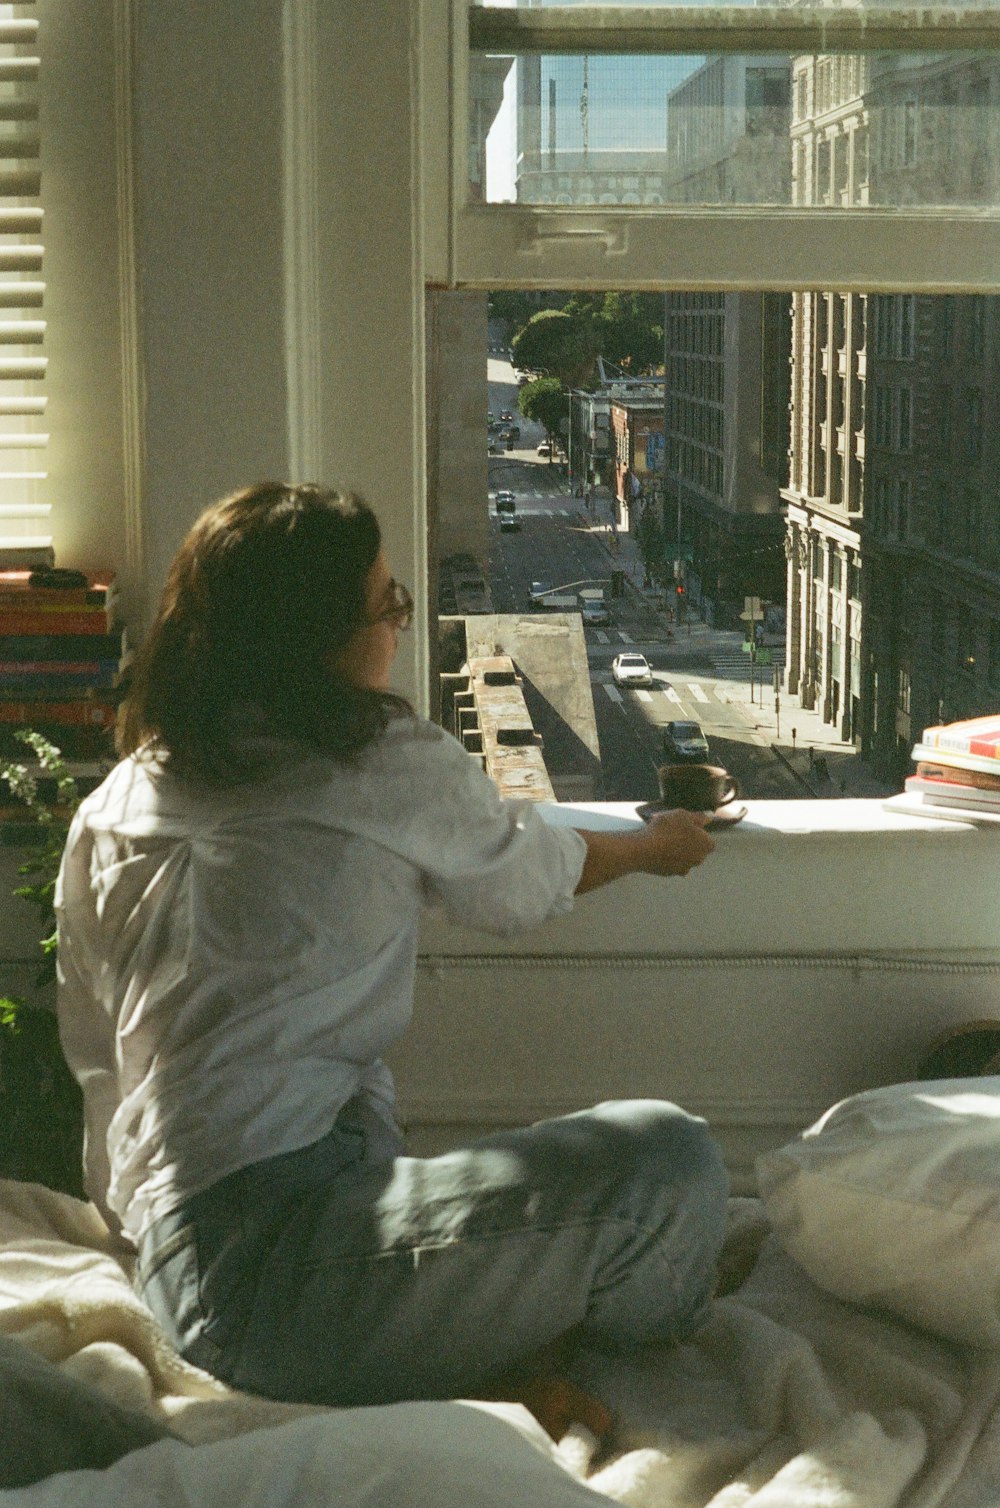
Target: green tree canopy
(558, 344)
(629, 330)
(650, 538)
(546, 402)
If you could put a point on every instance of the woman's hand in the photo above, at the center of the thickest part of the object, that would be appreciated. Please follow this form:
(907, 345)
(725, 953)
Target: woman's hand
(677, 841)
(671, 844)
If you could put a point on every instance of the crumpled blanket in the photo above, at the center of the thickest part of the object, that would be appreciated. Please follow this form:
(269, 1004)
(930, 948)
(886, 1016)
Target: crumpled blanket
(785, 1398)
(790, 1398)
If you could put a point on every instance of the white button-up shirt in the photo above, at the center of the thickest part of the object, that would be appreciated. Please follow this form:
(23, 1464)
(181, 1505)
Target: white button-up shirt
(234, 963)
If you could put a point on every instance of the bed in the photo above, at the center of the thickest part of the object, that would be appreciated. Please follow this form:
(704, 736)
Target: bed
(851, 1359)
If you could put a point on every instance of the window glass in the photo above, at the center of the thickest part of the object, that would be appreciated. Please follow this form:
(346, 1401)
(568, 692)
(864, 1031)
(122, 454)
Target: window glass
(873, 576)
(880, 129)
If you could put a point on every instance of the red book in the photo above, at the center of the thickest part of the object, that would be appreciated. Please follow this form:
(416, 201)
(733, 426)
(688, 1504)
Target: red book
(16, 590)
(56, 667)
(57, 619)
(77, 713)
(974, 735)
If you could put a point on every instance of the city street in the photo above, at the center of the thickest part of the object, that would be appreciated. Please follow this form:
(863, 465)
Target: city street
(701, 674)
(775, 748)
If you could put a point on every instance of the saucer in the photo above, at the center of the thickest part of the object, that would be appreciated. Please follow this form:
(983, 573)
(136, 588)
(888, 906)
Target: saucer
(723, 816)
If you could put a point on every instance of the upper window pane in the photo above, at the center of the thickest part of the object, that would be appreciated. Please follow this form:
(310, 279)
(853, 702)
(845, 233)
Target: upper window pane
(657, 124)
(845, 130)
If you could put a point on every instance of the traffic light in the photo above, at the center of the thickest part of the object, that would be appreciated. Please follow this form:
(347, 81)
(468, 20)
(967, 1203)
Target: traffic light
(679, 589)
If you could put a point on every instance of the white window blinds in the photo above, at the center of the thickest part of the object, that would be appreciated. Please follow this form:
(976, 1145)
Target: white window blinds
(24, 507)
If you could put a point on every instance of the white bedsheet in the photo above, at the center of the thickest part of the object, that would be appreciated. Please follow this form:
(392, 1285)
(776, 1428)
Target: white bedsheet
(787, 1398)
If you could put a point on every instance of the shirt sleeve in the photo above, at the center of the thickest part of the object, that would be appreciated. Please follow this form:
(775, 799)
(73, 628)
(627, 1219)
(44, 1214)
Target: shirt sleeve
(491, 864)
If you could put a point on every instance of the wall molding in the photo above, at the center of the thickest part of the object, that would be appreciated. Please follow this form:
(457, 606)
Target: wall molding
(132, 385)
(301, 240)
(439, 963)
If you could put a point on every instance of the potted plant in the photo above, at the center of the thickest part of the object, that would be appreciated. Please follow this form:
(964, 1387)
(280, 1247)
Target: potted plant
(41, 1115)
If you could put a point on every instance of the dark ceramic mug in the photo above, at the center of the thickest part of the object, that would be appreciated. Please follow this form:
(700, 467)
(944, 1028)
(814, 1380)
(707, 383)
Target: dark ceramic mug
(696, 787)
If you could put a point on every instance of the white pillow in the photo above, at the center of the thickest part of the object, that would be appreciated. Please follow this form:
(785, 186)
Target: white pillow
(893, 1199)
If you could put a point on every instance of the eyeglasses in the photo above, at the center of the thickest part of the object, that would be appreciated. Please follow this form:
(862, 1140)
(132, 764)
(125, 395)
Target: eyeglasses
(400, 612)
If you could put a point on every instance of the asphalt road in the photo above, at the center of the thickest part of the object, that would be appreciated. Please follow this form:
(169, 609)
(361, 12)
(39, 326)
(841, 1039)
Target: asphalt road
(555, 545)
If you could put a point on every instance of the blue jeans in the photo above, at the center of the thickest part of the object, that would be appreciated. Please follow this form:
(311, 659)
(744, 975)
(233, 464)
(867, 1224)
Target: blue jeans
(339, 1275)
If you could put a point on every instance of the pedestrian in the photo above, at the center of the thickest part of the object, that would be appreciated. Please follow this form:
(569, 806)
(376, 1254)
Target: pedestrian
(238, 907)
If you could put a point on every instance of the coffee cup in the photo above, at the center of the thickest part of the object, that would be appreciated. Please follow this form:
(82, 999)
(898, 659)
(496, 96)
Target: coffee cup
(696, 787)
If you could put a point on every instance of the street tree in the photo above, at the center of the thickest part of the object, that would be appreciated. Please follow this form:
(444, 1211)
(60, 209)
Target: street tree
(545, 401)
(558, 344)
(629, 328)
(651, 539)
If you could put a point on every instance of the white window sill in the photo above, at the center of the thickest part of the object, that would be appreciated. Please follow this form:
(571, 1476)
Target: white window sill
(770, 818)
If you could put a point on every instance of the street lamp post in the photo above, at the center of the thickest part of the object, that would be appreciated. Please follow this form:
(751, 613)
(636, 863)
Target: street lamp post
(678, 551)
(569, 441)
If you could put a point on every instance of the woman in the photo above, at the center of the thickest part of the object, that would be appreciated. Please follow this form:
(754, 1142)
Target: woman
(238, 909)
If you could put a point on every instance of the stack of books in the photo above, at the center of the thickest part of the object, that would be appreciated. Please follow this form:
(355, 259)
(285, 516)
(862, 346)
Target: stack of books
(63, 650)
(957, 774)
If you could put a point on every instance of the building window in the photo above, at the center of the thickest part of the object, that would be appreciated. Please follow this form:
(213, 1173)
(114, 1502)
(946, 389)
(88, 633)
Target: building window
(904, 689)
(977, 327)
(909, 133)
(902, 508)
(904, 418)
(994, 641)
(973, 423)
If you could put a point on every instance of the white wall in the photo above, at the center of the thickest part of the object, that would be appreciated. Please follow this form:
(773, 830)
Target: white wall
(817, 952)
(209, 183)
(85, 417)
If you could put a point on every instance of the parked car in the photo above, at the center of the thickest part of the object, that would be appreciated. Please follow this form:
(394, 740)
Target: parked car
(685, 741)
(631, 669)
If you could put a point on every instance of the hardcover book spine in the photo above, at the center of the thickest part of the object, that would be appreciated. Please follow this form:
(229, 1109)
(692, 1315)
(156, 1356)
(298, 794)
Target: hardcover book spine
(56, 620)
(22, 647)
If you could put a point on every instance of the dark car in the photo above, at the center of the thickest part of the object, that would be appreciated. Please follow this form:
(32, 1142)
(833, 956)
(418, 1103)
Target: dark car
(685, 741)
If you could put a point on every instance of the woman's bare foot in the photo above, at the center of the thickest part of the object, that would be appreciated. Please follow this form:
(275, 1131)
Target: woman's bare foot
(557, 1404)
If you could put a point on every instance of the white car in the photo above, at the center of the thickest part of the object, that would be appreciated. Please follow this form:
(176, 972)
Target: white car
(630, 669)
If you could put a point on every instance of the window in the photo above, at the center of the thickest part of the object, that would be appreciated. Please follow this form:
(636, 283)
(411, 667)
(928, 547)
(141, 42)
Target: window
(904, 418)
(994, 643)
(25, 510)
(973, 423)
(866, 275)
(902, 509)
(909, 133)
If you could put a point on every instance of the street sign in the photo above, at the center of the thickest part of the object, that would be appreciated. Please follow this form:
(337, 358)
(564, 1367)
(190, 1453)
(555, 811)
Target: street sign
(752, 617)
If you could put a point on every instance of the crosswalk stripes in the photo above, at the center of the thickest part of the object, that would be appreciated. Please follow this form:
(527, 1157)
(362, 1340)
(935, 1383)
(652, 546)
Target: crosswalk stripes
(625, 638)
(601, 636)
(672, 695)
(697, 692)
(612, 691)
(644, 696)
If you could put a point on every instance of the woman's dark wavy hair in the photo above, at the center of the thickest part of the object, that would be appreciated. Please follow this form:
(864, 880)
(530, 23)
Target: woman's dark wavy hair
(268, 585)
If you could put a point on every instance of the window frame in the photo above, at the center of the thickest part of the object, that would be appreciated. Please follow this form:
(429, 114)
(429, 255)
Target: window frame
(863, 249)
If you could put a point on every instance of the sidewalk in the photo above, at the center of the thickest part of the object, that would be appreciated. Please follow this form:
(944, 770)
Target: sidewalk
(821, 763)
